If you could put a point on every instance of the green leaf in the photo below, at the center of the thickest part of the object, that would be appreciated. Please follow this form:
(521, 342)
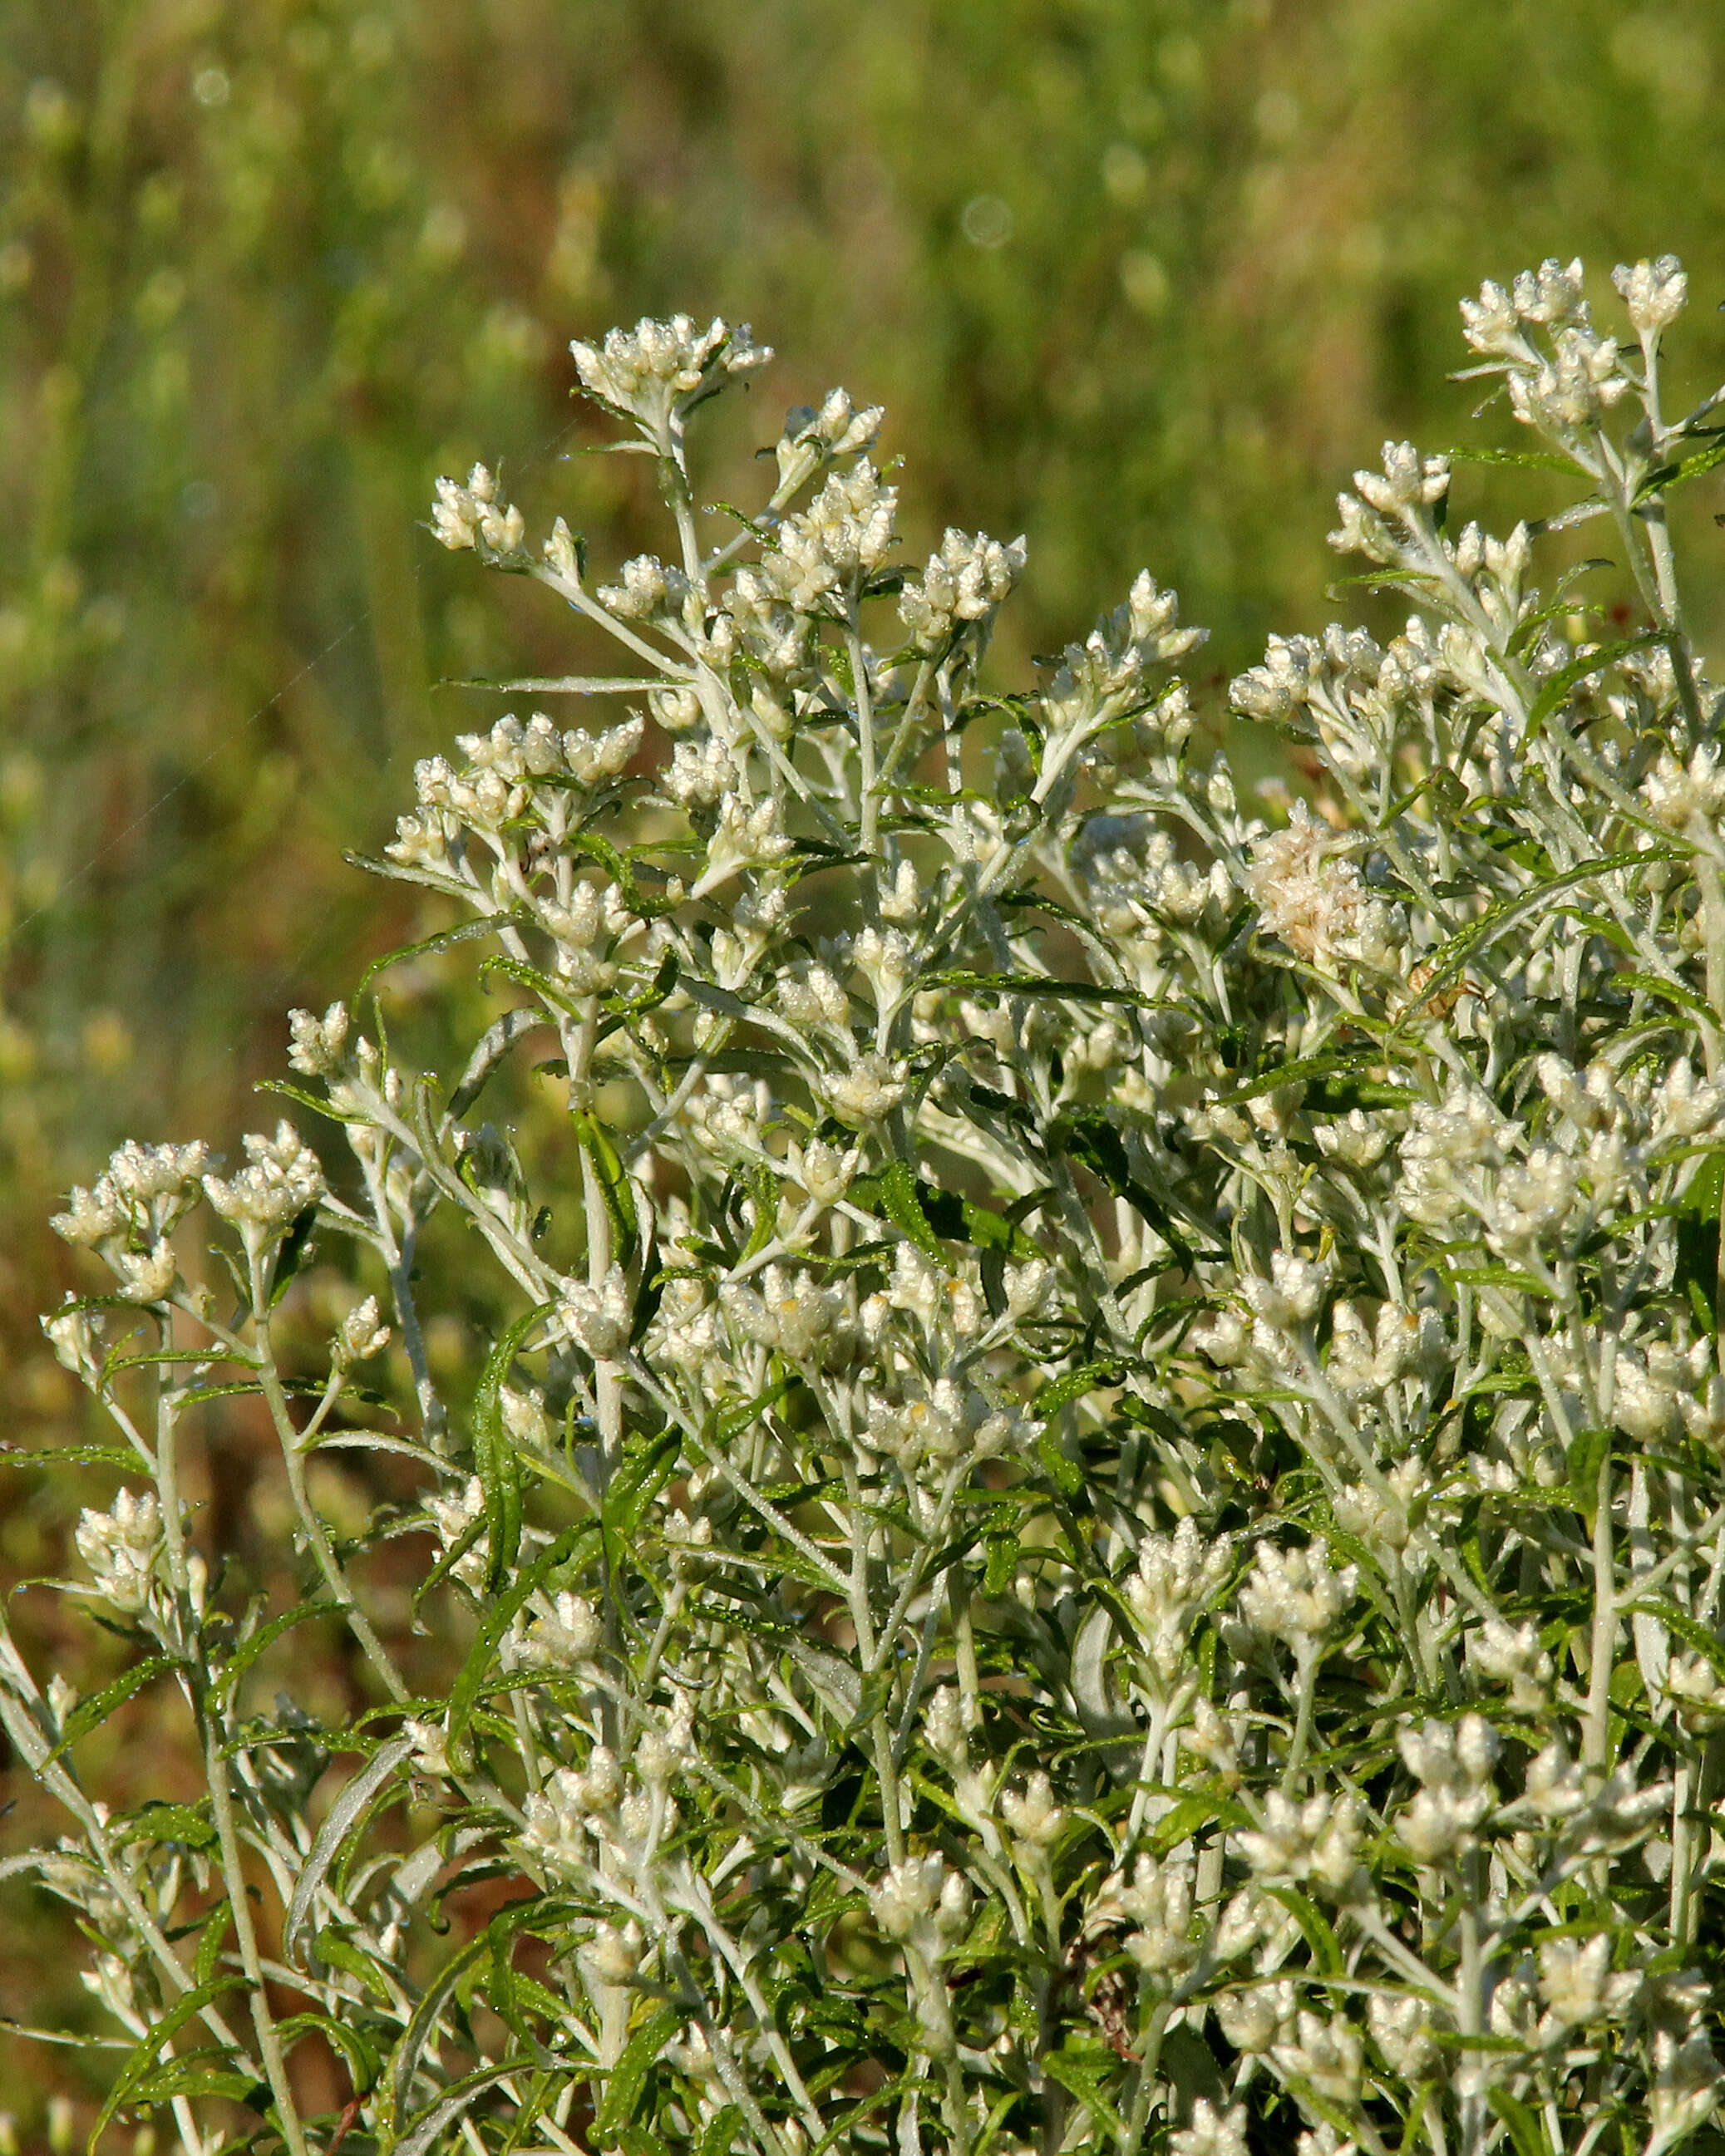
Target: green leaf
(464, 931)
(495, 1458)
(627, 2080)
(297, 1246)
(621, 1008)
(1450, 957)
(1663, 477)
(1038, 985)
(1187, 2062)
(494, 1044)
(397, 2081)
(364, 2062)
(344, 1817)
(247, 1652)
(1588, 1453)
(469, 1682)
(194, 2075)
(614, 1184)
(142, 2059)
(1088, 1377)
(158, 1821)
(898, 1196)
(620, 868)
(1557, 688)
(76, 1456)
(1320, 1937)
(1528, 460)
(1086, 2074)
(1066, 1476)
(524, 975)
(1001, 1566)
(92, 1712)
(1087, 1135)
(1302, 1069)
(650, 1460)
(721, 2131)
(338, 1952)
(301, 1098)
(939, 1213)
(1697, 1273)
(1673, 991)
(1527, 2129)
(427, 2127)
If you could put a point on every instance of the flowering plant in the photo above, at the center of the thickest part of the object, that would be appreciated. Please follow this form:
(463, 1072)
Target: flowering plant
(1106, 1530)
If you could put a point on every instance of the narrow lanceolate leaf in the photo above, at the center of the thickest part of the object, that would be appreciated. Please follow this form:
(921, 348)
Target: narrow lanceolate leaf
(493, 1047)
(344, 1814)
(91, 1713)
(626, 2080)
(1040, 986)
(423, 2131)
(142, 2059)
(446, 939)
(1449, 961)
(465, 1693)
(495, 1458)
(74, 1455)
(613, 1179)
(227, 1678)
(1554, 692)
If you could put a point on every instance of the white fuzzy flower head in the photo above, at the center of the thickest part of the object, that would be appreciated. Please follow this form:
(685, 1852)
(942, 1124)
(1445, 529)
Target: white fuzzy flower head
(148, 1275)
(658, 368)
(598, 1318)
(318, 1042)
(827, 551)
(746, 837)
(564, 1637)
(1313, 897)
(1292, 1296)
(869, 1091)
(1686, 2087)
(824, 1172)
(1295, 1595)
(283, 1178)
(75, 1336)
(1318, 1840)
(1577, 1986)
(1655, 293)
(812, 437)
(1255, 2019)
(1176, 1576)
(362, 1333)
(1159, 1903)
(1212, 2133)
(121, 1548)
(1512, 1654)
(964, 583)
(1401, 2029)
(453, 1515)
(472, 516)
(1328, 2054)
(615, 1955)
(920, 1903)
(1035, 1818)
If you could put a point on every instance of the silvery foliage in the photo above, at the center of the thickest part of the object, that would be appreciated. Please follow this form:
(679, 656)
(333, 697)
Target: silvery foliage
(1111, 1532)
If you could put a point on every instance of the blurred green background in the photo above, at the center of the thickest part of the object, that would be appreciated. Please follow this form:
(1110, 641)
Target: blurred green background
(1142, 279)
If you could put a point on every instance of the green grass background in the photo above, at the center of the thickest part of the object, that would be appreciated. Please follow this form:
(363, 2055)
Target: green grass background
(1143, 279)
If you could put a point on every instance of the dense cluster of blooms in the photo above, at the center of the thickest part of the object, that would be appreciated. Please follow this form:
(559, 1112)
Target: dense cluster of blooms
(1106, 1531)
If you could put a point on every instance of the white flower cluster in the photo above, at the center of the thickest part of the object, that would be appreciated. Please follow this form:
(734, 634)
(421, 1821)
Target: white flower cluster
(1072, 1436)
